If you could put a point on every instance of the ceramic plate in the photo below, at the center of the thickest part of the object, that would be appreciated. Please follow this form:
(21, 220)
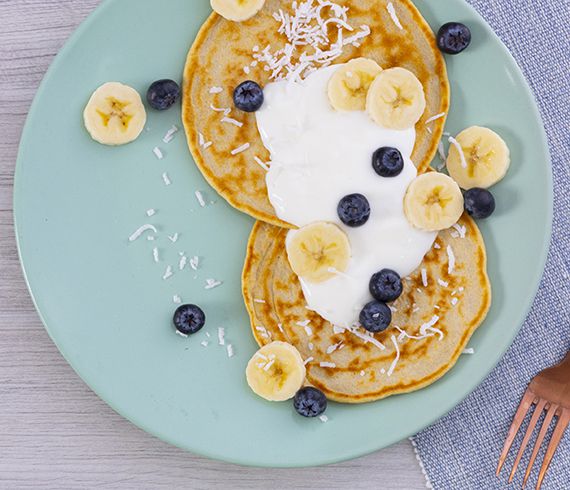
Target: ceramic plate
(103, 299)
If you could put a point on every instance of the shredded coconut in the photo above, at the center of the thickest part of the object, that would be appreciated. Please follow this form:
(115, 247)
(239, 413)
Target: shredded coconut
(246, 70)
(141, 230)
(442, 283)
(207, 145)
(308, 360)
(334, 347)
(424, 278)
(200, 198)
(362, 373)
(225, 110)
(221, 336)
(241, 149)
(169, 136)
(437, 246)
(327, 364)
(155, 254)
(367, 338)
(230, 350)
(167, 273)
(310, 346)
(395, 361)
(259, 301)
(261, 163)
(177, 300)
(392, 12)
(166, 179)
(150, 212)
(337, 330)
(182, 263)
(323, 418)
(435, 118)
(216, 90)
(469, 351)
(195, 262)
(451, 258)
(229, 120)
(173, 238)
(462, 230)
(158, 153)
(429, 327)
(306, 27)
(280, 327)
(212, 283)
(455, 143)
(454, 301)
(204, 343)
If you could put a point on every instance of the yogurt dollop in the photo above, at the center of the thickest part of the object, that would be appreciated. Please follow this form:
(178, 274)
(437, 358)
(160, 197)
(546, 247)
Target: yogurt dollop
(318, 156)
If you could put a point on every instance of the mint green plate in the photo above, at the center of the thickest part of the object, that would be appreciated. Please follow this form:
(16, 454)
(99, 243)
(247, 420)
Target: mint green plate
(103, 299)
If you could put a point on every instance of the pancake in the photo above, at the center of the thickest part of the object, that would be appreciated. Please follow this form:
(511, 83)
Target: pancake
(365, 368)
(222, 49)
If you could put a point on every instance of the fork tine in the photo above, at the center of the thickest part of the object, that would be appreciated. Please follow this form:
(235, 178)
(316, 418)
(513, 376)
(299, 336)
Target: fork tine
(563, 421)
(543, 430)
(526, 402)
(535, 416)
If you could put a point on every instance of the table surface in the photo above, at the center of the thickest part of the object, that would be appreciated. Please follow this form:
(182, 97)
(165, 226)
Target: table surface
(56, 433)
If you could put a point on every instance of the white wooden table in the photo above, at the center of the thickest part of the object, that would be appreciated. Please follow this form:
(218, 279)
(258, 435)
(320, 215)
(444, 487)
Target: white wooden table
(54, 432)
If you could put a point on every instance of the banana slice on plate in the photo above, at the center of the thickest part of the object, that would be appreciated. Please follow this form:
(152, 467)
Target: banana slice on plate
(348, 87)
(485, 160)
(115, 114)
(276, 372)
(317, 251)
(237, 10)
(433, 202)
(396, 99)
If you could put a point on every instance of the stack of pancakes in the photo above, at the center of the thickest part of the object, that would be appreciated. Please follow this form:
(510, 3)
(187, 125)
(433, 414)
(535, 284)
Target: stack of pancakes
(449, 308)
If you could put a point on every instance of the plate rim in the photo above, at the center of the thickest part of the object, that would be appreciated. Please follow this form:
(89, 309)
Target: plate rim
(355, 452)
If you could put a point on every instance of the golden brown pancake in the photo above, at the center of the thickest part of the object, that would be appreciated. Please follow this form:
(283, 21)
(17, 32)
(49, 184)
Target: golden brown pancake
(222, 49)
(456, 301)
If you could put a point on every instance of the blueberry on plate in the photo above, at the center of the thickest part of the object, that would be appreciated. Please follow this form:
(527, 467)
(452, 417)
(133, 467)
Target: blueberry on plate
(387, 162)
(376, 316)
(386, 285)
(189, 319)
(453, 37)
(163, 94)
(310, 402)
(354, 210)
(479, 203)
(248, 96)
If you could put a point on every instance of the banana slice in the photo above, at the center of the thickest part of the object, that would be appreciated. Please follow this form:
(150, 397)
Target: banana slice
(485, 160)
(237, 10)
(349, 85)
(115, 114)
(317, 251)
(433, 202)
(276, 372)
(396, 99)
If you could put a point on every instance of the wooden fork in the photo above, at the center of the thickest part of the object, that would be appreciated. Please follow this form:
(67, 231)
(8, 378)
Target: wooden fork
(550, 391)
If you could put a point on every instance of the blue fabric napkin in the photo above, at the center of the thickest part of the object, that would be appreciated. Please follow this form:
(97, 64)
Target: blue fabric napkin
(460, 452)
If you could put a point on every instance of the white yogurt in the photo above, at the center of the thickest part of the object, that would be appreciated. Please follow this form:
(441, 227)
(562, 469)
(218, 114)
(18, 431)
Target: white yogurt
(318, 156)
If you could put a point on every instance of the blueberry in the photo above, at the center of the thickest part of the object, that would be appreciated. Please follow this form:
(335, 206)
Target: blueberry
(376, 317)
(189, 319)
(479, 203)
(354, 210)
(387, 162)
(453, 37)
(386, 285)
(310, 402)
(163, 94)
(248, 96)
